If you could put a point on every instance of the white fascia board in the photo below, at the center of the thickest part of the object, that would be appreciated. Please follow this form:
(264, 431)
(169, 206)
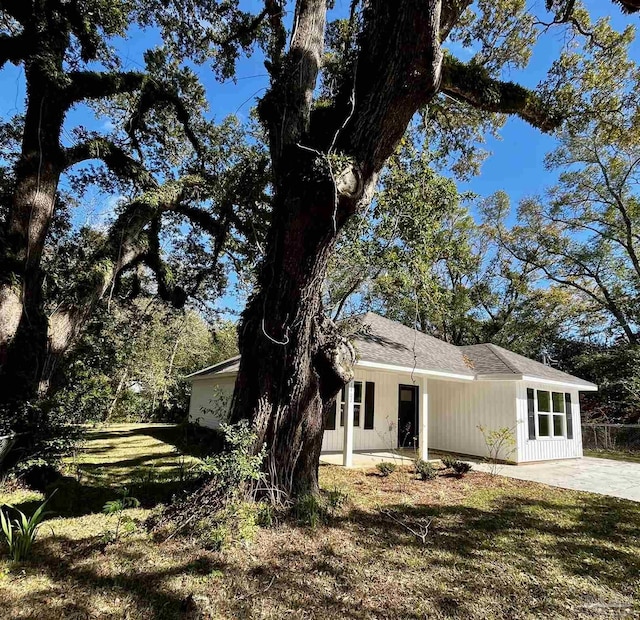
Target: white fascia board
(216, 375)
(499, 377)
(579, 386)
(415, 371)
(205, 371)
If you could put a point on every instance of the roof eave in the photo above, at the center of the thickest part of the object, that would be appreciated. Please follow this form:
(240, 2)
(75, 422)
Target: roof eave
(441, 374)
(211, 369)
(582, 386)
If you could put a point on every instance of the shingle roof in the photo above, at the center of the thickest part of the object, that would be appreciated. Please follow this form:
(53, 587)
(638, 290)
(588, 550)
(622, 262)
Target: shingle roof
(230, 365)
(380, 340)
(489, 359)
(389, 342)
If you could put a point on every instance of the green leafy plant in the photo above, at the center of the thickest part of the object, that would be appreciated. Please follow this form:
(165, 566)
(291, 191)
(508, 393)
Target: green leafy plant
(336, 498)
(236, 465)
(461, 467)
(20, 533)
(501, 445)
(424, 469)
(386, 468)
(123, 521)
(308, 510)
(266, 514)
(448, 461)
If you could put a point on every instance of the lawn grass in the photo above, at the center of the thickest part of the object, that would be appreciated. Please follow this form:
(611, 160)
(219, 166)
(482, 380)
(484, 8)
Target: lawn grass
(616, 455)
(496, 548)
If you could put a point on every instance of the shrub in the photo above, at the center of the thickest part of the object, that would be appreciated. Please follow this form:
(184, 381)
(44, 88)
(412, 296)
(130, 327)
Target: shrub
(385, 469)
(500, 443)
(237, 464)
(425, 470)
(20, 534)
(461, 467)
(266, 514)
(449, 461)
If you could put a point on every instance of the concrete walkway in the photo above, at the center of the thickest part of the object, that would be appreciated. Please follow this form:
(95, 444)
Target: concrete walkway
(604, 476)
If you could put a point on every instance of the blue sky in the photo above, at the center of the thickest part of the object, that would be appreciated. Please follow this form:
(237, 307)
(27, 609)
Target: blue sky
(515, 164)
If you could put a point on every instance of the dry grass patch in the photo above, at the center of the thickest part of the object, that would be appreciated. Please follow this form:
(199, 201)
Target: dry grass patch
(497, 548)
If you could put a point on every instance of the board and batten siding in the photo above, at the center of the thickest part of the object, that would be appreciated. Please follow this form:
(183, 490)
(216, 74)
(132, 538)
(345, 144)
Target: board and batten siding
(207, 392)
(210, 396)
(546, 449)
(384, 435)
(456, 409)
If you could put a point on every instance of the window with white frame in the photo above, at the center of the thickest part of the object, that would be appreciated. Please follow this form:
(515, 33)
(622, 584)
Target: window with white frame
(357, 403)
(550, 413)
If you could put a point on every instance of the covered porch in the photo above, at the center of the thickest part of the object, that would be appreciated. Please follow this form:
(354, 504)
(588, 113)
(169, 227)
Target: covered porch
(348, 457)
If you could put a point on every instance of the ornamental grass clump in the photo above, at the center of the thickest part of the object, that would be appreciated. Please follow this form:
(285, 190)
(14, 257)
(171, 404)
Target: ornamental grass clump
(20, 532)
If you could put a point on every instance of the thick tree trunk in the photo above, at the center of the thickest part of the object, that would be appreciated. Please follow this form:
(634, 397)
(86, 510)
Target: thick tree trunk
(23, 323)
(293, 360)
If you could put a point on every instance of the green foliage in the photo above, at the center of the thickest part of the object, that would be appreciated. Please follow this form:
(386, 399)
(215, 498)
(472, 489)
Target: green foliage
(424, 469)
(45, 431)
(385, 468)
(500, 445)
(461, 467)
(20, 533)
(236, 523)
(308, 510)
(265, 515)
(117, 507)
(448, 461)
(421, 259)
(237, 465)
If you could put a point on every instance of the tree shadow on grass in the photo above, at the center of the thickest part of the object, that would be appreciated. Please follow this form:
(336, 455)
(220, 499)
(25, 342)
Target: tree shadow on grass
(510, 557)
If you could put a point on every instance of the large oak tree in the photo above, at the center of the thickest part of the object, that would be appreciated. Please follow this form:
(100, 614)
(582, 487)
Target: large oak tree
(328, 146)
(66, 49)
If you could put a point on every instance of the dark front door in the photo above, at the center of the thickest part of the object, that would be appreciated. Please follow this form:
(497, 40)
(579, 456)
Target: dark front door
(407, 416)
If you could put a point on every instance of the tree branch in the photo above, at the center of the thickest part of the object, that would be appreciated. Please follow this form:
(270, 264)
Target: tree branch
(473, 85)
(167, 288)
(13, 49)
(98, 85)
(151, 95)
(116, 159)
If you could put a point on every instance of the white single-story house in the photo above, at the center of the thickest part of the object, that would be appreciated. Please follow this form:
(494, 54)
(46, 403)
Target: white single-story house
(413, 390)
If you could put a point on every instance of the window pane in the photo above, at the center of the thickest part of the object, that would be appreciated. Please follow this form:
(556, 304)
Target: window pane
(342, 414)
(544, 403)
(558, 431)
(357, 392)
(543, 425)
(558, 402)
(406, 395)
(356, 415)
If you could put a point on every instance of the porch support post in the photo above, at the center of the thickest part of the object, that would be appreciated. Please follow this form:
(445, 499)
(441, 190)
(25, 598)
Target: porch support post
(347, 447)
(423, 420)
